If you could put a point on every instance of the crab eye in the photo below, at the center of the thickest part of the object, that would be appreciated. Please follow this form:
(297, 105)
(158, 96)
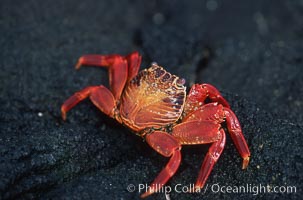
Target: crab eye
(180, 81)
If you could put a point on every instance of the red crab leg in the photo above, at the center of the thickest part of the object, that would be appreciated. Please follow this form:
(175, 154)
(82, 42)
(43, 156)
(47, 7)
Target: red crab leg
(134, 61)
(211, 111)
(202, 132)
(235, 131)
(167, 146)
(215, 95)
(210, 160)
(198, 94)
(196, 132)
(99, 95)
(216, 112)
(118, 69)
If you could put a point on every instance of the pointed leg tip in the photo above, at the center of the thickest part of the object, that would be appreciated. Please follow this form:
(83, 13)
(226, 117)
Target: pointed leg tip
(63, 114)
(198, 185)
(245, 162)
(148, 192)
(144, 195)
(79, 63)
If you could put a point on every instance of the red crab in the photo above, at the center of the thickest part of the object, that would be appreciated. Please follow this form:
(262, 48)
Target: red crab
(154, 105)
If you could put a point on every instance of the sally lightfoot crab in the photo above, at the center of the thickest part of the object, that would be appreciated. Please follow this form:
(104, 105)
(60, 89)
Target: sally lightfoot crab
(154, 105)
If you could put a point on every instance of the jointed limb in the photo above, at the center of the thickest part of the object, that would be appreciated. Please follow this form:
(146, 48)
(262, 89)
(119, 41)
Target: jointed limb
(198, 95)
(99, 95)
(217, 113)
(121, 69)
(167, 146)
(210, 160)
(202, 132)
(234, 128)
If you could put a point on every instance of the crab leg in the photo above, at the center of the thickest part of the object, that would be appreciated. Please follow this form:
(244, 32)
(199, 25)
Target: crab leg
(202, 132)
(235, 131)
(99, 95)
(117, 69)
(198, 94)
(210, 160)
(167, 146)
(210, 112)
(196, 132)
(134, 61)
(214, 94)
(217, 113)
(121, 68)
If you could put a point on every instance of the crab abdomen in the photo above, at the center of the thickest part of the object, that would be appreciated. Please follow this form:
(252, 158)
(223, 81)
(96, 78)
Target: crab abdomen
(154, 98)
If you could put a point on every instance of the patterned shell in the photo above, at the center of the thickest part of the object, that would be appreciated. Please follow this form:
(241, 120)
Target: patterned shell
(154, 98)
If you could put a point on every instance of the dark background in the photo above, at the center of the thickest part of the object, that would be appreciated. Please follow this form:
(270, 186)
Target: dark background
(250, 50)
